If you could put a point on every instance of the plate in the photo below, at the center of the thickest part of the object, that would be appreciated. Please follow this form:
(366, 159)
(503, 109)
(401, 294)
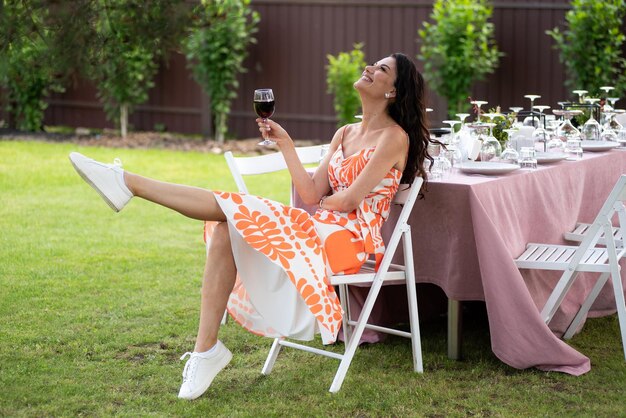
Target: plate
(487, 167)
(550, 157)
(598, 145)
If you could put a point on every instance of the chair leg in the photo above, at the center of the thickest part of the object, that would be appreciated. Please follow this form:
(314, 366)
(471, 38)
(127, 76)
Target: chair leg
(271, 357)
(618, 291)
(353, 344)
(416, 341)
(224, 318)
(344, 295)
(584, 308)
(558, 294)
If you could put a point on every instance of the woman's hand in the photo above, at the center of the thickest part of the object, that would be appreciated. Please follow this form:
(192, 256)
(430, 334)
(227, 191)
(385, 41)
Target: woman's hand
(271, 130)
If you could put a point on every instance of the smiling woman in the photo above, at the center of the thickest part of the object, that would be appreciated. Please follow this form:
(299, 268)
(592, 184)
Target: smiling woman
(269, 263)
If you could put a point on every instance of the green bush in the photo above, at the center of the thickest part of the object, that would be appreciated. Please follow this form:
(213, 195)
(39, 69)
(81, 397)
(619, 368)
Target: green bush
(591, 45)
(216, 49)
(458, 48)
(26, 71)
(342, 71)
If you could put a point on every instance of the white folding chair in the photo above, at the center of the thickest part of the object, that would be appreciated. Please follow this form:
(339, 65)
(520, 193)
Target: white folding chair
(586, 257)
(387, 272)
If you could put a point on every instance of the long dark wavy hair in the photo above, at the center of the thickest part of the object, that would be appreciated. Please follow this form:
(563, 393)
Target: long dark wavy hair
(409, 111)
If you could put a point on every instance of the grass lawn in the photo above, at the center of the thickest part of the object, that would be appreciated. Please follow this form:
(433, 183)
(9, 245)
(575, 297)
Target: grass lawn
(97, 308)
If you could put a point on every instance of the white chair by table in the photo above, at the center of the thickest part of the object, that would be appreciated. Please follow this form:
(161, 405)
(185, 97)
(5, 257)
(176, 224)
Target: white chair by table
(586, 257)
(387, 272)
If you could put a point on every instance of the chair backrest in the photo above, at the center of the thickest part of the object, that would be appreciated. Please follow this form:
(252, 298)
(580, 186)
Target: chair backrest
(268, 163)
(405, 196)
(613, 204)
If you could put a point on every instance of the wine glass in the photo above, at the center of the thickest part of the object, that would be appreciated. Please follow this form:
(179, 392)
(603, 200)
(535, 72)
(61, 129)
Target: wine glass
(566, 130)
(607, 89)
(510, 154)
(491, 148)
(591, 129)
(612, 100)
(453, 137)
(530, 120)
(581, 94)
(540, 134)
(478, 104)
(264, 107)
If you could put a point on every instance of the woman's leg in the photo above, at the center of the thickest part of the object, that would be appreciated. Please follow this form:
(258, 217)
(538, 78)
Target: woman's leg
(218, 281)
(192, 202)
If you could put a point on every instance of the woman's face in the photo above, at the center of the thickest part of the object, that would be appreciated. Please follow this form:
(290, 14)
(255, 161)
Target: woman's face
(378, 78)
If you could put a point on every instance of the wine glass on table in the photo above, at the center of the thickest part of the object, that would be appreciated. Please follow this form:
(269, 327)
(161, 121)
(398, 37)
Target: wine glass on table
(540, 135)
(531, 120)
(478, 104)
(581, 95)
(264, 108)
(591, 129)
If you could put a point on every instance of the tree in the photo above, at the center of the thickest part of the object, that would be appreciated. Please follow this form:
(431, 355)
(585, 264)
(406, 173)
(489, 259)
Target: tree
(342, 71)
(458, 48)
(591, 45)
(39, 54)
(216, 49)
(132, 35)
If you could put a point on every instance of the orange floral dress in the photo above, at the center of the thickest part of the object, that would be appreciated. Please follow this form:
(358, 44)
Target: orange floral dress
(284, 256)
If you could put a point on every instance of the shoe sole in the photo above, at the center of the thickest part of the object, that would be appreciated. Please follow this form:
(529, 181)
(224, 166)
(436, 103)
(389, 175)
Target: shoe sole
(102, 195)
(225, 360)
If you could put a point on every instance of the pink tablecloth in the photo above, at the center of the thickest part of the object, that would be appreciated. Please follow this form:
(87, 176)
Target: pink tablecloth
(469, 229)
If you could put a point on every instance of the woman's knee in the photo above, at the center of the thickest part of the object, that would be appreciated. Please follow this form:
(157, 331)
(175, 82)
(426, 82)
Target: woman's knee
(220, 241)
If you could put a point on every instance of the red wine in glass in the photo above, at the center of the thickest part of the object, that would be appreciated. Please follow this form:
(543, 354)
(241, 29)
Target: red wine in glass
(264, 107)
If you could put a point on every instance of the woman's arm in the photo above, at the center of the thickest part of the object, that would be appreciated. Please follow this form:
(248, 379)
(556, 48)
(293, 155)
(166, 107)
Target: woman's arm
(391, 150)
(310, 189)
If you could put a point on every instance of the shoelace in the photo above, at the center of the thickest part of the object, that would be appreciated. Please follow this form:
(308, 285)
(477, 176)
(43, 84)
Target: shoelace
(190, 367)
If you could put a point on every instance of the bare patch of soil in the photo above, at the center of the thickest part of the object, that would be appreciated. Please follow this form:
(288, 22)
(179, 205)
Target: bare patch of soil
(144, 140)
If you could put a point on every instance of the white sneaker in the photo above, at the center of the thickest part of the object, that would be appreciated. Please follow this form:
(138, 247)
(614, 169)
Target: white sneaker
(200, 370)
(106, 179)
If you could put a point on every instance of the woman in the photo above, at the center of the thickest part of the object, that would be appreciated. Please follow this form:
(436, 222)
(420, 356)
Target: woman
(281, 255)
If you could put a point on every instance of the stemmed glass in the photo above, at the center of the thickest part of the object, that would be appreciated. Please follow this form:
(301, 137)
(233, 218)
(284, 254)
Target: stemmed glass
(540, 134)
(510, 155)
(478, 104)
(264, 107)
(607, 89)
(516, 110)
(452, 132)
(612, 127)
(530, 120)
(613, 100)
(464, 135)
(581, 94)
(491, 148)
(591, 128)
(566, 130)
(453, 152)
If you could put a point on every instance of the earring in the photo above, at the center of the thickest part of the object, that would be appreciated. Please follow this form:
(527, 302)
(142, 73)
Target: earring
(387, 95)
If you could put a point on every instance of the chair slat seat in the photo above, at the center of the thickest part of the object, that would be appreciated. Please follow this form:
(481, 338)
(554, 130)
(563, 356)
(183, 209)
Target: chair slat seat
(581, 229)
(594, 253)
(558, 257)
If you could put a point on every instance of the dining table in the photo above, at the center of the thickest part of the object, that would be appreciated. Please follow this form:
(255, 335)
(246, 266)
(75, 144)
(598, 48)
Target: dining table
(467, 232)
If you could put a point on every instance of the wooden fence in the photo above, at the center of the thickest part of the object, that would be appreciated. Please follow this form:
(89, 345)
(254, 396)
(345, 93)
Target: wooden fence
(294, 39)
